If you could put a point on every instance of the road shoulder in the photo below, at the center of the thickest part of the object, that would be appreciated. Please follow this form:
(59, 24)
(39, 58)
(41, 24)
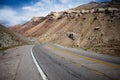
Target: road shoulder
(17, 64)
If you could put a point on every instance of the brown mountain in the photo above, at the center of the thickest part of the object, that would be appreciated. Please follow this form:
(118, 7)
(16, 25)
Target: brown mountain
(93, 26)
(9, 38)
(30, 24)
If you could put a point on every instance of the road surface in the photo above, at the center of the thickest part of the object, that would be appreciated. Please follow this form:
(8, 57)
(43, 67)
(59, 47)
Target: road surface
(62, 63)
(55, 62)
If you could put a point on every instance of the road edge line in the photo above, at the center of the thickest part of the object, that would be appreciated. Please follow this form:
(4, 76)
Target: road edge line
(44, 77)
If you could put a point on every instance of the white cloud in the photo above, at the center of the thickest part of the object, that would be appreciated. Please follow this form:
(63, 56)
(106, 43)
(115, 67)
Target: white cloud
(10, 17)
(47, 1)
(38, 9)
(65, 1)
(39, 4)
(30, 9)
(59, 7)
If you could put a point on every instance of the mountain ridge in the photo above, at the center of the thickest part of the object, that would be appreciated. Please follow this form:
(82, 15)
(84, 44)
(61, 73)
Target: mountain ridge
(89, 26)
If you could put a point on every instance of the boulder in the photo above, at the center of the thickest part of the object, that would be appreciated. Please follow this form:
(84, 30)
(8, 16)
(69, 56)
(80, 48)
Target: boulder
(72, 35)
(96, 28)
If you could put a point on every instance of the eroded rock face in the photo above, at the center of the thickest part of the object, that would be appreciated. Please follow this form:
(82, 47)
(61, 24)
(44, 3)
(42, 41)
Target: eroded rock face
(96, 28)
(78, 13)
(35, 19)
(72, 35)
(54, 15)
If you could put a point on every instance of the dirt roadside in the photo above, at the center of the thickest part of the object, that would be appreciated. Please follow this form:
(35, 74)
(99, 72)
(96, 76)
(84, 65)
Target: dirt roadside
(17, 64)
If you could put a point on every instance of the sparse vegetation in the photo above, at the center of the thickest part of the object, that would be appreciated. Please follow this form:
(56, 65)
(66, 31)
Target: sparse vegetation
(10, 39)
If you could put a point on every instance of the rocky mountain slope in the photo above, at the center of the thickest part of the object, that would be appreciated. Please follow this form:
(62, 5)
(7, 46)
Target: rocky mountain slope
(9, 39)
(30, 24)
(93, 26)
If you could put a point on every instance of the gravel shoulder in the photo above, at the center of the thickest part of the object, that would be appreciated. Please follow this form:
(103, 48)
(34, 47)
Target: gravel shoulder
(17, 64)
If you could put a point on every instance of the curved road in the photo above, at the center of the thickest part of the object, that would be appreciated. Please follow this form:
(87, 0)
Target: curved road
(62, 63)
(55, 62)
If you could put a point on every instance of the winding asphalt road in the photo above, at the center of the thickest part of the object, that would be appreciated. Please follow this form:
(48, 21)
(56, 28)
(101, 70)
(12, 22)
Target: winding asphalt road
(62, 63)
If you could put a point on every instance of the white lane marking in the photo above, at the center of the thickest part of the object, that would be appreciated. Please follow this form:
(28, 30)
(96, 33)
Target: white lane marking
(38, 67)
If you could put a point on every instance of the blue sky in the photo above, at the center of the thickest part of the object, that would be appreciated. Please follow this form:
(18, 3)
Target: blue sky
(19, 11)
